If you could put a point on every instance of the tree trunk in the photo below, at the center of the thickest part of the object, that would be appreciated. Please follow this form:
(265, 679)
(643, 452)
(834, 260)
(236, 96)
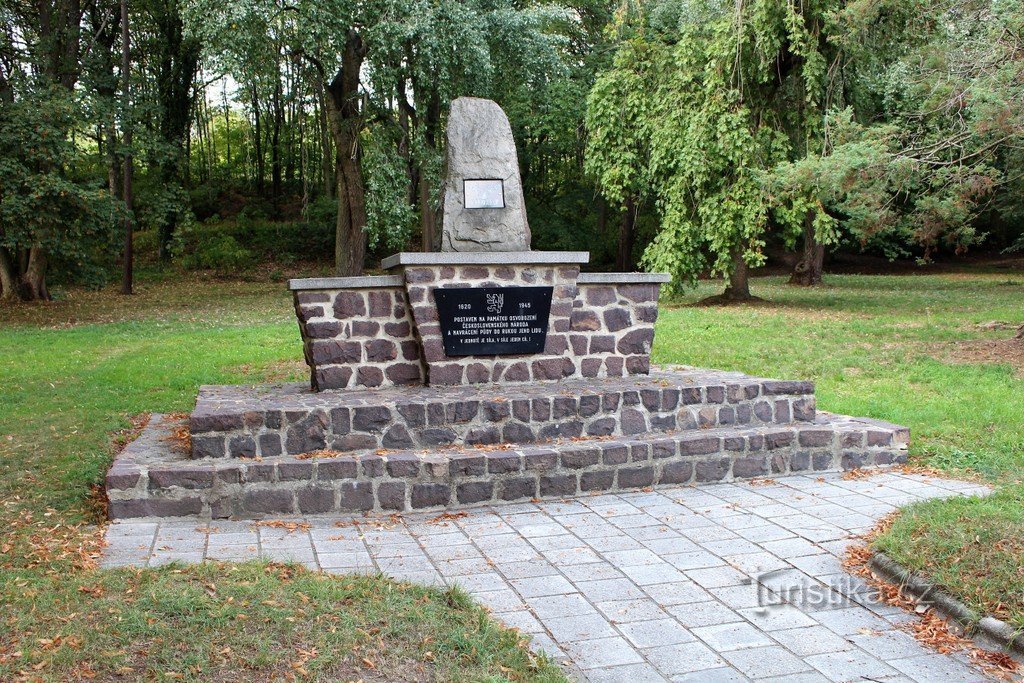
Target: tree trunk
(257, 141)
(8, 277)
(275, 140)
(809, 269)
(33, 280)
(739, 279)
(627, 233)
(127, 274)
(346, 123)
(1020, 333)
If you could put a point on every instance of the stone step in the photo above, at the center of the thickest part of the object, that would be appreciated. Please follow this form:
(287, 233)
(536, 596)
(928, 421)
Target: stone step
(272, 420)
(154, 476)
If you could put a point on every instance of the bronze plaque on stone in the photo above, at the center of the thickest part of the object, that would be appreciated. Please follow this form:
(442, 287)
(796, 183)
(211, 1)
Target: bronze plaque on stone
(493, 321)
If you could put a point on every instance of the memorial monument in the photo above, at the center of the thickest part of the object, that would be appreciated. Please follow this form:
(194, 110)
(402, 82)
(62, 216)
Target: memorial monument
(482, 373)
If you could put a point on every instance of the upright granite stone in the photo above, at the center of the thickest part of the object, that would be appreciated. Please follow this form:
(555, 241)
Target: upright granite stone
(484, 208)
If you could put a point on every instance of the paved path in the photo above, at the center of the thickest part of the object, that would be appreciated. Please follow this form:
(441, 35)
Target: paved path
(729, 582)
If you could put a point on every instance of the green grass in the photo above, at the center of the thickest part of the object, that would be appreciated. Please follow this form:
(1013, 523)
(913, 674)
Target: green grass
(74, 372)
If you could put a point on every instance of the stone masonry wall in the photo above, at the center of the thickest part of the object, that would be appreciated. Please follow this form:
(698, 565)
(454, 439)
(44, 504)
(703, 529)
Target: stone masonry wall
(248, 422)
(358, 338)
(594, 330)
(147, 479)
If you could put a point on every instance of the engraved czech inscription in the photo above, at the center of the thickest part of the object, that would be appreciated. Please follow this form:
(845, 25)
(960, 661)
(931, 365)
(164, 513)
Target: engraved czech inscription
(492, 321)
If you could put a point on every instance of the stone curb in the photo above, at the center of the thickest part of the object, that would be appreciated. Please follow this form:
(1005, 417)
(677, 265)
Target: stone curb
(929, 593)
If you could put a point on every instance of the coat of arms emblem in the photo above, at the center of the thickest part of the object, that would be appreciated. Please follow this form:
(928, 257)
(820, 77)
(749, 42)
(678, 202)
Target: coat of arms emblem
(495, 303)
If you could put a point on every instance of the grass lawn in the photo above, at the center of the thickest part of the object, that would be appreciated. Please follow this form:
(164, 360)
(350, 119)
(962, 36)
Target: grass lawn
(905, 349)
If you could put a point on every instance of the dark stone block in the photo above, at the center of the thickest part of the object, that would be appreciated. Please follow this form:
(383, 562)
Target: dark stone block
(332, 377)
(328, 351)
(782, 413)
(462, 411)
(558, 485)
(516, 489)
(410, 350)
(259, 472)
(208, 447)
(434, 436)
(369, 377)
(851, 439)
(332, 470)
(786, 387)
(267, 501)
(500, 463)
(372, 466)
(613, 366)
(517, 372)
(603, 426)
(552, 368)
(584, 321)
(380, 303)
(404, 373)
(430, 495)
(639, 451)
(822, 461)
(315, 499)
(295, 471)
(446, 374)
(563, 406)
(750, 467)
(243, 446)
(800, 461)
(735, 444)
(651, 399)
(381, 351)
(600, 295)
(663, 423)
(854, 459)
(677, 472)
(610, 402)
(414, 414)
(480, 436)
(541, 409)
(633, 422)
(477, 373)
(365, 328)
(803, 410)
(614, 454)
(185, 477)
(370, 418)
(323, 330)
(341, 421)
(474, 492)
(199, 424)
(778, 440)
(312, 297)
(537, 459)
(590, 367)
(403, 465)
(272, 419)
(306, 436)
(711, 470)
(494, 411)
(638, 365)
(466, 465)
(636, 477)
(815, 437)
(878, 438)
(763, 411)
(589, 405)
(122, 479)
(398, 330)
(616, 319)
(755, 442)
(663, 449)
(744, 413)
(355, 496)
(639, 293)
(578, 458)
(699, 445)
(726, 416)
(715, 394)
(397, 436)
(349, 305)
(597, 480)
(516, 432)
(391, 495)
(636, 342)
(579, 343)
(603, 343)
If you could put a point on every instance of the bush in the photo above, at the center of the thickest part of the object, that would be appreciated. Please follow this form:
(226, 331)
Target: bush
(214, 250)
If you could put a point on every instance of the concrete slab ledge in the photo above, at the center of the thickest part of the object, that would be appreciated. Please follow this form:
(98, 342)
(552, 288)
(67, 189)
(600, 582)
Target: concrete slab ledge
(477, 258)
(364, 282)
(623, 278)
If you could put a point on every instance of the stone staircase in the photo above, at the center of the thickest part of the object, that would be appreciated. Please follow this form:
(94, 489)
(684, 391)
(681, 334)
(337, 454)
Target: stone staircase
(279, 450)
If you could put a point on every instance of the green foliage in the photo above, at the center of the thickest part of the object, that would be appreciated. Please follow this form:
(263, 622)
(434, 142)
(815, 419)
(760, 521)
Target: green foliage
(42, 203)
(216, 251)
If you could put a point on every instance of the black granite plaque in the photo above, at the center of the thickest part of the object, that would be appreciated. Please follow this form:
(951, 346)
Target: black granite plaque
(492, 321)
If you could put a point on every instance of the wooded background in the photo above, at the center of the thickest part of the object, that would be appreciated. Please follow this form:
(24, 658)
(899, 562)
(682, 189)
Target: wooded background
(690, 136)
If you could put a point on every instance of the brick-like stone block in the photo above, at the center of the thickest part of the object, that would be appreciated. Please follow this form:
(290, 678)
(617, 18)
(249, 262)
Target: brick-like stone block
(208, 447)
(183, 477)
(268, 501)
(403, 465)
(518, 488)
(391, 495)
(711, 470)
(335, 469)
(502, 462)
(558, 485)
(474, 492)
(355, 496)
(750, 467)
(676, 472)
(597, 480)
(636, 477)
(295, 471)
(579, 457)
(315, 499)
(815, 437)
(427, 495)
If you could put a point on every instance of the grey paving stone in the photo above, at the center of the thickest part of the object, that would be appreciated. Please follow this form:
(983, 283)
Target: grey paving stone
(538, 586)
(604, 590)
(678, 593)
(765, 662)
(772, 618)
(935, 667)
(850, 665)
(634, 673)
(579, 627)
(625, 611)
(602, 652)
(683, 659)
(710, 613)
(656, 633)
(725, 637)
